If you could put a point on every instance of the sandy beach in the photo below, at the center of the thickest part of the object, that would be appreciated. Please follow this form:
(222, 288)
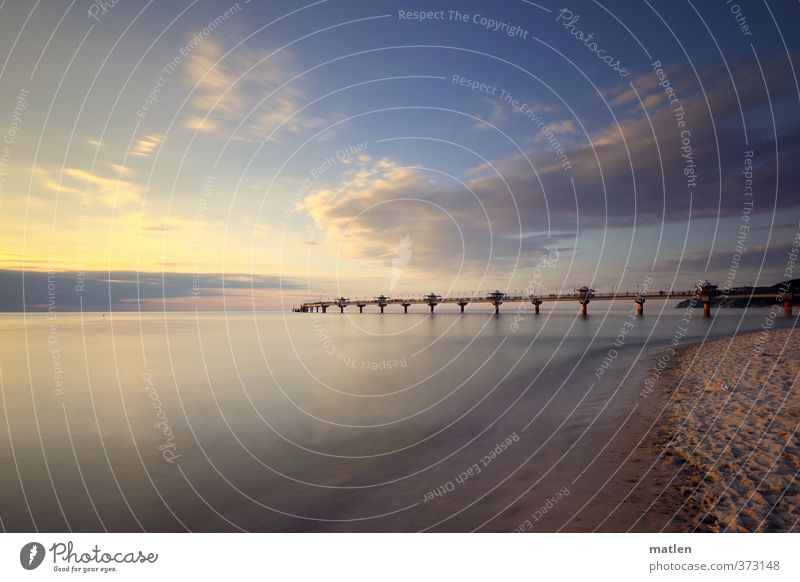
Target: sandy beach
(729, 452)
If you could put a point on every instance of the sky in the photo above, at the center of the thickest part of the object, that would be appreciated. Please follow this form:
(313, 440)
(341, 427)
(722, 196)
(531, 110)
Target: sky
(249, 155)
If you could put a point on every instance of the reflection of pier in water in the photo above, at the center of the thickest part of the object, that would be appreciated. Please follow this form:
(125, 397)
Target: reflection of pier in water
(704, 293)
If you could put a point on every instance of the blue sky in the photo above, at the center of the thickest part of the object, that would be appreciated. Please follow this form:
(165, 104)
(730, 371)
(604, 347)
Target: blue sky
(294, 146)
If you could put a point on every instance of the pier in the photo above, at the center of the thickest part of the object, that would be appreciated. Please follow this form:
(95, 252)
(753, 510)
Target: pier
(704, 293)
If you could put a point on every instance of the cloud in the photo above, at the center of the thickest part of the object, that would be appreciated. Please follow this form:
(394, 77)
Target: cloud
(631, 172)
(145, 146)
(201, 124)
(228, 90)
(113, 192)
(121, 170)
(497, 114)
(759, 261)
(380, 202)
(104, 291)
(566, 126)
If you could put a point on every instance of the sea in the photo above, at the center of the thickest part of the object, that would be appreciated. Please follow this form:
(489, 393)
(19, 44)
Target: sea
(272, 421)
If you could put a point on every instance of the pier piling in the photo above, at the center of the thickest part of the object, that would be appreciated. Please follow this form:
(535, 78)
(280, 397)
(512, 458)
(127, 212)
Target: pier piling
(497, 300)
(537, 301)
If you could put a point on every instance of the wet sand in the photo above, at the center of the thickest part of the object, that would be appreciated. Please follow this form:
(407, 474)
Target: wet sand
(726, 446)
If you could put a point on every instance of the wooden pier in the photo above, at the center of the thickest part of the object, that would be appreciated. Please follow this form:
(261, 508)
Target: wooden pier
(703, 293)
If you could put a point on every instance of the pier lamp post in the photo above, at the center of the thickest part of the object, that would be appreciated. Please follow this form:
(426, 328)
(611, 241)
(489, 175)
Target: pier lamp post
(383, 301)
(497, 300)
(432, 299)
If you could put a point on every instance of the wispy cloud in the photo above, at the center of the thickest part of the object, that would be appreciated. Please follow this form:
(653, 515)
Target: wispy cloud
(229, 88)
(146, 145)
(111, 191)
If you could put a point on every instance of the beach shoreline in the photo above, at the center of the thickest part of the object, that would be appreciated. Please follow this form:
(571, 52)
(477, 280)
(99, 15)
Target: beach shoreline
(724, 446)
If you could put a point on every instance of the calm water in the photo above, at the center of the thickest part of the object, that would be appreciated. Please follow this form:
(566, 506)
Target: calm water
(322, 422)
